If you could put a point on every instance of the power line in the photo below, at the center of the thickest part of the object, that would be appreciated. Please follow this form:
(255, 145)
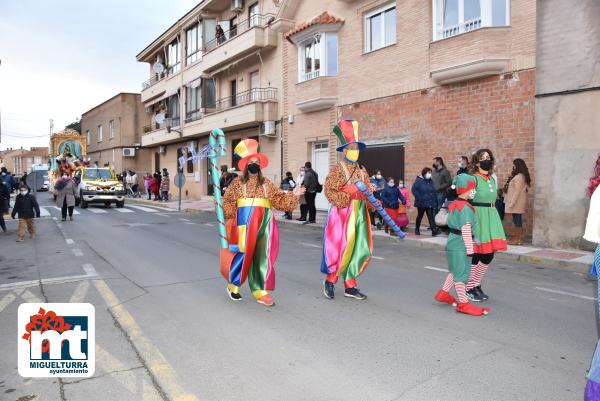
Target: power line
(21, 135)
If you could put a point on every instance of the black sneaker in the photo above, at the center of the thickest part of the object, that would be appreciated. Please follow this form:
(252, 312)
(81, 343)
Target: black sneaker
(473, 295)
(233, 296)
(328, 289)
(482, 294)
(300, 219)
(354, 293)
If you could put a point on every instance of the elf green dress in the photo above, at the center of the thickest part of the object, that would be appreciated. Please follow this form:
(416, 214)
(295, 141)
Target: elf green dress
(460, 213)
(489, 231)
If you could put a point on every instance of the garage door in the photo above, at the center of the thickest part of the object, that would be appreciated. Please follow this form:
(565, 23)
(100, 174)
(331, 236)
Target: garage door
(389, 159)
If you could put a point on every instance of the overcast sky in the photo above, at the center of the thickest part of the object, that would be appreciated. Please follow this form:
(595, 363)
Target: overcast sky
(60, 58)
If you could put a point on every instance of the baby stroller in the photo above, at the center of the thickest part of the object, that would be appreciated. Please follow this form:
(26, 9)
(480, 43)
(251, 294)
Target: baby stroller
(133, 191)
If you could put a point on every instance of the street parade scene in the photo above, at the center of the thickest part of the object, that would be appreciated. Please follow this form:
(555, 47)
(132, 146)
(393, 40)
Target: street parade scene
(303, 200)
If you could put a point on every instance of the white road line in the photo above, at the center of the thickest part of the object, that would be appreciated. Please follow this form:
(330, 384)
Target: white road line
(124, 210)
(209, 224)
(189, 223)
(75, 211)
(376, 257)
(162, 214)
(309, 244)
(570, 294)
(69, 241)
(437, 269)
(55, 218)
(90, 272)
(77, 252)
(29, 297)
(80, 292)
(97, 211)
(44, 212)
(182, 219)
(144, 209)
(7, 300)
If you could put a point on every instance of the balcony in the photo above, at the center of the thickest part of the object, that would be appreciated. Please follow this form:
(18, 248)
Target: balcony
(316, 92)
(246, 109)
(157, 134)
(153, 87)
(479, 53)
(241, 40)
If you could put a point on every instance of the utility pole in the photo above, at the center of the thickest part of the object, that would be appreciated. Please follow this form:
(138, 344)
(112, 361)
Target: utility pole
(51, 127)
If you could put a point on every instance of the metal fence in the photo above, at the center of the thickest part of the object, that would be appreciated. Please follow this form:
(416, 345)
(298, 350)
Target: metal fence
(257, 20)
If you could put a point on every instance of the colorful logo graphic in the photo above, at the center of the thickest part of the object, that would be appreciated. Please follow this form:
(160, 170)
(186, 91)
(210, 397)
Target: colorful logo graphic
(56, 340)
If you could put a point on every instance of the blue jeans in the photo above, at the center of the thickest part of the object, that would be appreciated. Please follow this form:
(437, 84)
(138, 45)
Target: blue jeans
(165, 196)
(517, 220)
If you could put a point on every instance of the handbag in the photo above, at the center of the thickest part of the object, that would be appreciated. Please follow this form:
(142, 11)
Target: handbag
(319, 188)
(402, 209)
(441, 218)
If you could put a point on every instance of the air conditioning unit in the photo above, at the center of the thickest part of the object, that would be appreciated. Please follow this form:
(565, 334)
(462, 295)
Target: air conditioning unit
(237, 5)
(268, 129)
(129, 152)
(162, 149)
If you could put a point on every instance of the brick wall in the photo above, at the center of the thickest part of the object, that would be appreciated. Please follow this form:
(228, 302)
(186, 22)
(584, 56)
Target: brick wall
(454, 120)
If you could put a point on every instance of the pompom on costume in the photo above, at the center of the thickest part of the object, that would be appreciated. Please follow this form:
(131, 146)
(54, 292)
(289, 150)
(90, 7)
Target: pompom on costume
(460, 246)
(347, 238)
(252, 231)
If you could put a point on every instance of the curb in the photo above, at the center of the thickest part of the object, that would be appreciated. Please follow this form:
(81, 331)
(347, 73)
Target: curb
(556, 264)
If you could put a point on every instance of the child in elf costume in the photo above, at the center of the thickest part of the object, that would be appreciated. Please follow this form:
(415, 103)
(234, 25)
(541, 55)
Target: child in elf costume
(347, 239)
(459, 248)
(251, 228)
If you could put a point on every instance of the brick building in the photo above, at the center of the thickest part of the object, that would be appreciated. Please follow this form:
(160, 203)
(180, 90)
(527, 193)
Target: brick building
(113, 133)
(200, 80)
(19, 161)
(423, 78)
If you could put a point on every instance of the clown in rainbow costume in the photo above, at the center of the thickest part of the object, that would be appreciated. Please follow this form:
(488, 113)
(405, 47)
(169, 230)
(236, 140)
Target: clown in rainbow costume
(347, 237)
(251, 228)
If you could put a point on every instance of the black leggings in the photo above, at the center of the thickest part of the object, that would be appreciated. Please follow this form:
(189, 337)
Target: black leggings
(485, 258)
(2, 223)
(64, 209)
(420, 212)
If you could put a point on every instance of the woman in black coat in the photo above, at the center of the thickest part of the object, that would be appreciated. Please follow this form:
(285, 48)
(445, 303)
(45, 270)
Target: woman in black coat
(4, 199)
(425, 200)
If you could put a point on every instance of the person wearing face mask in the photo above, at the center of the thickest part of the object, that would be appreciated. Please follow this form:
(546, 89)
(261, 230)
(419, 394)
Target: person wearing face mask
(463, 165)
(311, 184)
(459, 248)
(515, 199)
(441, 181)
(379, 183)
(9, 181)
(347, 238)
(26, 208)
(4, 195)
(66, 193)
(251, 228)
(391, 199)
(425, 200)
(301, 199)
(489, 231)
(403, 209)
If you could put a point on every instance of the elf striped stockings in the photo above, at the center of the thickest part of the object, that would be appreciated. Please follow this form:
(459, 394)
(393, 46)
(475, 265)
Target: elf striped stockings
(477, 272)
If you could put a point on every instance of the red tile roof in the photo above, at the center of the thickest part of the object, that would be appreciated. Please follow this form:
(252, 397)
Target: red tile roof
(321, 19)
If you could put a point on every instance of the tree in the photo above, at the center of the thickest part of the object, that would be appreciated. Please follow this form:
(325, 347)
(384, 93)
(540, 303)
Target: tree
(75, 125)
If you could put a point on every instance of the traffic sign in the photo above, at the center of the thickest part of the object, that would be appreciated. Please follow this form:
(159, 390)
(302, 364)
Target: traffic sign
(179, 180)
(35, 181)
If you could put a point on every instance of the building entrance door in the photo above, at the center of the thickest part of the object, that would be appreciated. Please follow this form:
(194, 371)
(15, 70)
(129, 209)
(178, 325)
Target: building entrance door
(320, 163)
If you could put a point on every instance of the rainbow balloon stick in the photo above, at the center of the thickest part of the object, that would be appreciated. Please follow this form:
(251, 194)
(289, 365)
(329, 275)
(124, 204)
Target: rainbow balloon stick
(377, 205)
(217, 144)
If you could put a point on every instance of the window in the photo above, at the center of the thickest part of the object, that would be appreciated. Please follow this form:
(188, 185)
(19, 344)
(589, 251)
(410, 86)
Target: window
(233, 91)
(318, 56)
(380, 28)
(453, 17)
(193, 101)
(193, 44)
(88, 137)
(173, 57)
(111, 129)
(99, 132)
(185, 152)
(173, 109)
(253, 15)
(254, 85)
(209, 93)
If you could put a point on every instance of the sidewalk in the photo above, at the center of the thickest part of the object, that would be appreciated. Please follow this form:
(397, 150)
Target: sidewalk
(573, 260)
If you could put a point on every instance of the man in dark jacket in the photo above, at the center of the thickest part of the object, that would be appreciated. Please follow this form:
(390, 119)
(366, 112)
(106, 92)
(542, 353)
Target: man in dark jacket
(4, 197)
(27, 208)
(442, 181)
(311, 183)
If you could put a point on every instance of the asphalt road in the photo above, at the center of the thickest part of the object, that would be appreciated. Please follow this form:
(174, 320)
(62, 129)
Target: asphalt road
(166, 329)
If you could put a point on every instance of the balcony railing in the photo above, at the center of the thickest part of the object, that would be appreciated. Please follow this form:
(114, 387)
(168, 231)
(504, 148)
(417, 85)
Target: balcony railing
(258, 20)
(170, 122)
(310, 75)
(242, 98)
(155, 78)
(466, 26)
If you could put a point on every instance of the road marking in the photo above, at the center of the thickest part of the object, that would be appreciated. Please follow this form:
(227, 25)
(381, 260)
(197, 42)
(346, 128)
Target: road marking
(376, 257)
(80, 292)
(155, 360)
(77, 252)
(44, 212)
(182, 219)
(29, 297)
(309, 244)
(437, 269)
(570, 294)
(162, 214)
(55, 218)
(90, 272)
(144, 209)
(74, 210)
(93, 210)
(124, 210)
(7, 300)
(69, 241)
(189, 223)
(209, 224)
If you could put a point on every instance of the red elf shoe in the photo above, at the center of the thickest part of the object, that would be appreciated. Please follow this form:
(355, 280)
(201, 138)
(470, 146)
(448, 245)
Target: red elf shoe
(445, 297)
(266, 300)
(470, 309)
